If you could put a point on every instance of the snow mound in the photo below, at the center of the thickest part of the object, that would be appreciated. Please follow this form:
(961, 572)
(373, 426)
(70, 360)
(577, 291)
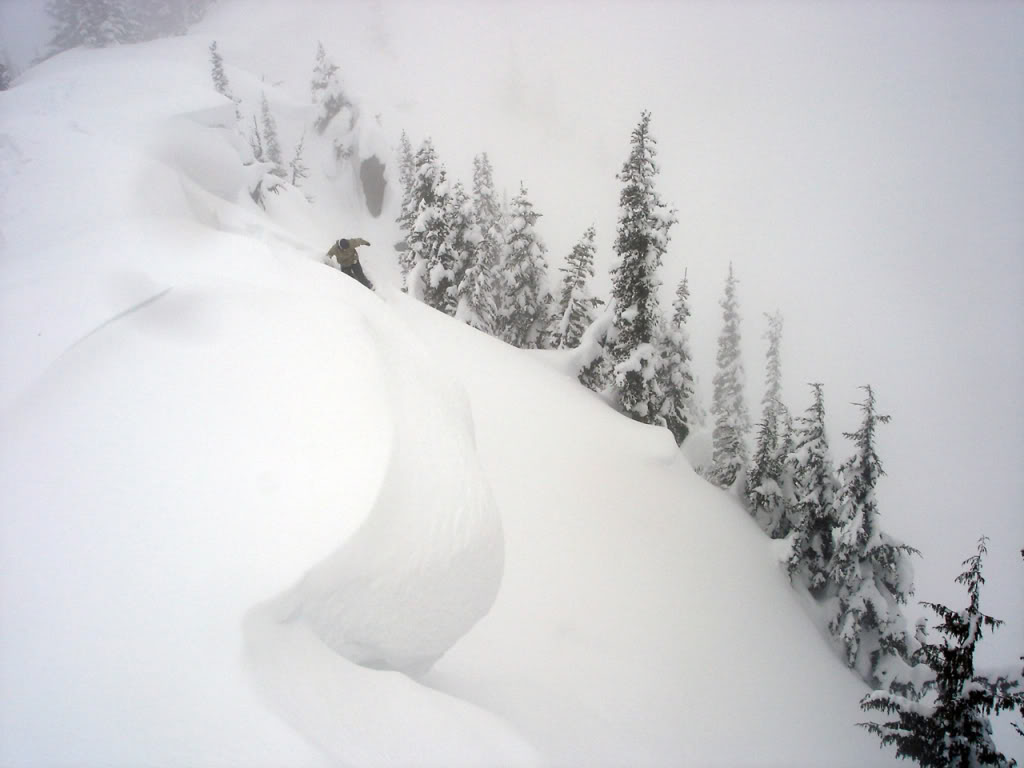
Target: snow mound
(427, 562)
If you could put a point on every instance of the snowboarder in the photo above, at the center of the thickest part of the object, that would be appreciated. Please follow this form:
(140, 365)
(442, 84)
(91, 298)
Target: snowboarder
(344, 252)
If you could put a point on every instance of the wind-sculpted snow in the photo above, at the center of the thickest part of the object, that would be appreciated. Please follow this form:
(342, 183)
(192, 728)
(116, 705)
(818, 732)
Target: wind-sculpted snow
(426, 563)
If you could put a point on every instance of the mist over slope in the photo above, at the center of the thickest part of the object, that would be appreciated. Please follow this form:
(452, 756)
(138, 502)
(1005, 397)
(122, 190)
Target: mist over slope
(200, 418)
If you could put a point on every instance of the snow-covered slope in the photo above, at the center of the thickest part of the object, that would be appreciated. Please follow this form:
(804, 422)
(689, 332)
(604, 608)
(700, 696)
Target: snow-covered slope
(227, 472)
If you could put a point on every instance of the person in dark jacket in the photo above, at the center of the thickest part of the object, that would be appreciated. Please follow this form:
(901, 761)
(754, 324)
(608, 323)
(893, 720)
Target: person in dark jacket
(344, 252)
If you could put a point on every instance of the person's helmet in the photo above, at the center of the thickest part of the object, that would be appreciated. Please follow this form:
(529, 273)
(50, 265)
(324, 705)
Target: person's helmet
(343, 243)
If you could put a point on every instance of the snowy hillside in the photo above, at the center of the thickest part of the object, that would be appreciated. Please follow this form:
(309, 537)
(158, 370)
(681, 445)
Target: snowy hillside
(239, 491)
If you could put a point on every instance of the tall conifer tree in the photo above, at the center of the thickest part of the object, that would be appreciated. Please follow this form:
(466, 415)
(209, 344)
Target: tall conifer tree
(220, 78)
(297, 166)
(947, 722)
(870, 569)
(447, 269)
(271, 144)
(643, 236)
(732, 420)
(769, 485)
(814, 520)
(526, 317)
(772, 399)
(428, 236)
(577, 307)
(676, 367)
(481, 305)
(407, 182)
(327, 93)
(409, 204)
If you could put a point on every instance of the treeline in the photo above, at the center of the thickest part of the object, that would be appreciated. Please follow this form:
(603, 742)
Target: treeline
(100, 23)
(475, 259)
(483, 261)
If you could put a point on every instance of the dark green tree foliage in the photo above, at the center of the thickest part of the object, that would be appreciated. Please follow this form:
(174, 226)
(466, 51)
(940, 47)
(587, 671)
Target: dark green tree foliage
(429, 230)
(732, 420)
(525, 320)
(577, 307)
(271, 144)
(871, 571)
(814, 488)
(675, 372)
(769, 485)
(947, 723)
(327, 92)
(642, 238)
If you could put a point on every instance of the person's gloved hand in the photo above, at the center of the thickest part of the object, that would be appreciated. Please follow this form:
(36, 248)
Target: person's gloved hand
(367, 243)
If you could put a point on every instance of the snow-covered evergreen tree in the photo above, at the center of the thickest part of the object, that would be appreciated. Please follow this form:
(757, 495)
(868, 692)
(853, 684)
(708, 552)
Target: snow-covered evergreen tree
(675, 371)
(948, 723)
(447, 268)
(593, 363)
(164, 18)
(768, 484)
(256, 142)
(476, 291)
(870, 570)
(732, 420)
(772, 399)
(814, 521)
(527, 308)
(481, 302)
(92, 23)
(297, 166)
(643, 235)
(271, 144)
(66, 18)
(220, 78)
(407, 212)
(325, 75)
(328, 95)
(577, 307)
(429, 232)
